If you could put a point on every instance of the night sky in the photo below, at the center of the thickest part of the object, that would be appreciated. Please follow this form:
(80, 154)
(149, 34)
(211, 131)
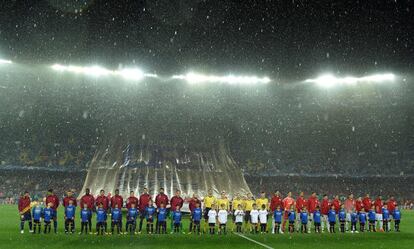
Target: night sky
(283, 39)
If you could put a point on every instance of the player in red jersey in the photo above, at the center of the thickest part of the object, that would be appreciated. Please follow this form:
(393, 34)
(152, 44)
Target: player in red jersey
(391, 204)
(378, 204)
(144, 199)
(300, 203)
(24, 208)
(161, 198)
(313, 202)
(337, 204)
(367, 203)
(52, 198)
(117, 200)
(325, 206)
(132, 200)
(275, 202)
(288, 204)
(349, 207)
(175, 201)
(102, 199)
(69, 197)
(89, 200)
(192, 205)
(359, 205)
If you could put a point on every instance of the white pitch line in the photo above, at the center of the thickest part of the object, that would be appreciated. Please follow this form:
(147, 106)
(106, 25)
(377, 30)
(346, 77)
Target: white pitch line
(254, 241)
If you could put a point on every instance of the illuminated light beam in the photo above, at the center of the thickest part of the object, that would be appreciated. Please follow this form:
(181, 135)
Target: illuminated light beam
(329, 80)
(58, 67)
(195, 78)
(97, 71)
(131, 74)
(3, 61)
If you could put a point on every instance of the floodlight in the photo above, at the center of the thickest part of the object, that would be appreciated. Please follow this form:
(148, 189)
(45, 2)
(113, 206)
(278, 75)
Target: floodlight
(2, 61)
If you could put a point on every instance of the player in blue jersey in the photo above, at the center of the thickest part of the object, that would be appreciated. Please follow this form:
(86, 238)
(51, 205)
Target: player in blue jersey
(47, 217)
(37, 217)
(70, 217)
(162, 219)
(277, 216)
(116, 219)
(317, 219)
(342, 218)
(363, 220)
(304, 220)
(354, 221)
(176, 216)
(292, 219)
(385, 218)
(101, 217)
(196, 216)
(150, 212)
(332, 219)
(372, 219)
(397, 218)
(132, 216)
(85, 215)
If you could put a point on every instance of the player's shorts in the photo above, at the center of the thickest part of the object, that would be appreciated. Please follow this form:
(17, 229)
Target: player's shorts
(196, 222)
(278, 222)
(291, 222)
(317, 224)
(239, 223)
(304, 223)
(378, 217)
(27, 216)
(348, 216)
(311, 217)
(206, 213)
(211, 224)
(150, 220)
(247, 216)
(142, 215)
(54, 214)
(36, 221)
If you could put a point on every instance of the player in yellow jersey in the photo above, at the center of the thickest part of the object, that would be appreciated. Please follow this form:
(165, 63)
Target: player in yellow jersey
(209, 202)
(247, 206)
(262, 200)
(223, 200)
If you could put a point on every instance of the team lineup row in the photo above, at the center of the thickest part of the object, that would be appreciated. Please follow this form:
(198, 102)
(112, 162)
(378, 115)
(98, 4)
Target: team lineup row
(247, 214)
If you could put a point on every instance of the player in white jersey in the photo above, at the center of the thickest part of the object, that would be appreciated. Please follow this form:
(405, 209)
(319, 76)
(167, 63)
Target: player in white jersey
(212, 219)
(239, 217)
(222, 219)
(263, 219)
(254, 219)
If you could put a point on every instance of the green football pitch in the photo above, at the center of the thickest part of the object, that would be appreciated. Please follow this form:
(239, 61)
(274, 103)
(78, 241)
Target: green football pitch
(10, 237)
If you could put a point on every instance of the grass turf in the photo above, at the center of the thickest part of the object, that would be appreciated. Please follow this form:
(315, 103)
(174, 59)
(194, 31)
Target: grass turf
(11, 238)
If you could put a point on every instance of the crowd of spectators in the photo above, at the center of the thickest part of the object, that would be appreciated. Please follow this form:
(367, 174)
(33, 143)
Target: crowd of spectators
(13, 182)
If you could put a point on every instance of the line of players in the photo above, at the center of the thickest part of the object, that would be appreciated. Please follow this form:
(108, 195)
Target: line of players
(248, 214)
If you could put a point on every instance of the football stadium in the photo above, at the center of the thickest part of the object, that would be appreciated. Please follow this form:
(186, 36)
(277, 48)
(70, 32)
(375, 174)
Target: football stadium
(203, 124)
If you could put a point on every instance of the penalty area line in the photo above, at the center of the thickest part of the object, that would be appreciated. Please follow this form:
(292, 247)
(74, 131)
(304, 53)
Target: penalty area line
(254, 241)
